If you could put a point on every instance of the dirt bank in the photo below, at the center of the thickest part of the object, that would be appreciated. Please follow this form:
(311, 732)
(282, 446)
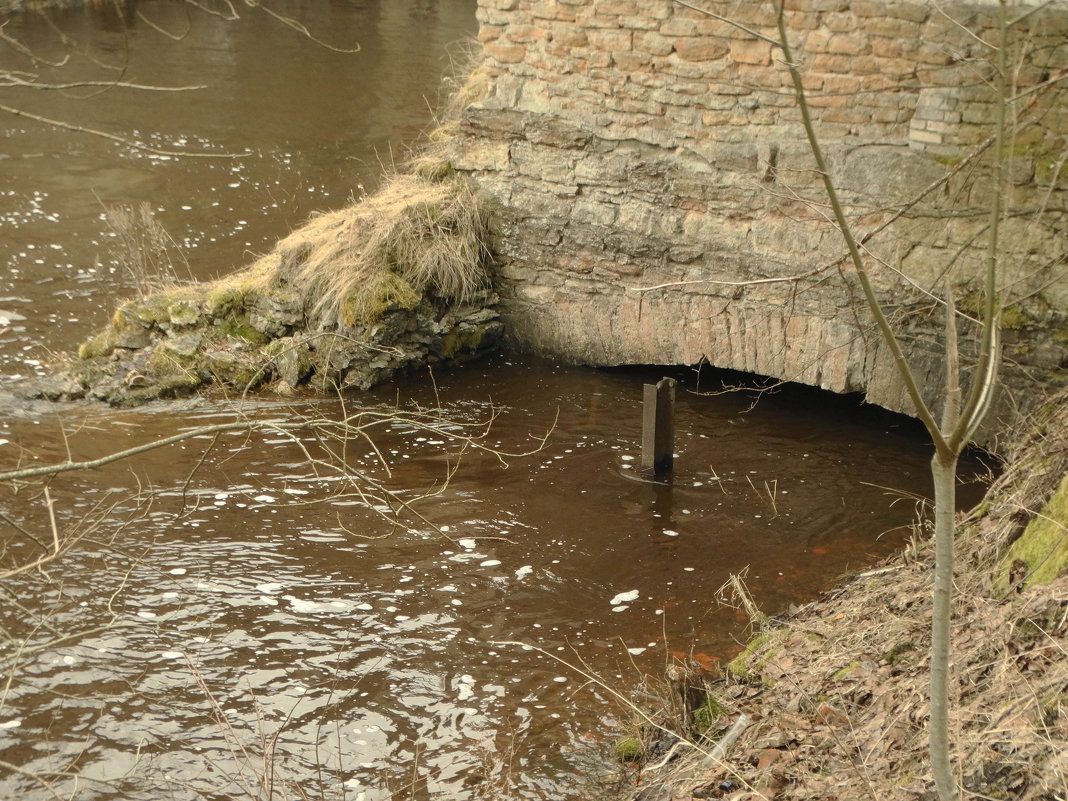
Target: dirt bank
(837, 692)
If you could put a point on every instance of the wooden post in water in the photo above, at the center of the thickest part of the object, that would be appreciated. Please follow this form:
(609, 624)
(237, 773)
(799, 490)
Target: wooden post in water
(658, 427)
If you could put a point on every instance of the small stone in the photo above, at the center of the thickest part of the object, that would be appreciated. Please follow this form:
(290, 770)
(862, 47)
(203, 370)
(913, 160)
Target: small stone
(183, 344)
(183, 313)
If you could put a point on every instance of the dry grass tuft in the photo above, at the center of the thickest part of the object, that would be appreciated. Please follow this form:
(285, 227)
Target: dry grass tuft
(412, 237)
(423, 232)
(143, 250)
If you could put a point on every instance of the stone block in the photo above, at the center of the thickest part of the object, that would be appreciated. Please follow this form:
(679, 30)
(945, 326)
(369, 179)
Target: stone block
(639, 23)
(699, 48)
(631, 63)
(653, 43)
(924, 137)
(840, 22)
(680, 25)
(505, 52)
(556, 132)
(849, 44)
(848, 114)
(750, 51)
(569, 35)
(617, 7)
(550, 9)
(938, 55)
(898, 28)
(493, 122)
(908, 10)
(846, 65)
(802, 22)
(607, 40)
(481, 154)
(815, 41)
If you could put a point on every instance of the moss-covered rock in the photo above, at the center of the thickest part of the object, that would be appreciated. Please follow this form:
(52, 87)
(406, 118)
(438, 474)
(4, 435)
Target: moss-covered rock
(224, 300)
(183, 313)
(97, 346)
(1040, 555)
(390, 292)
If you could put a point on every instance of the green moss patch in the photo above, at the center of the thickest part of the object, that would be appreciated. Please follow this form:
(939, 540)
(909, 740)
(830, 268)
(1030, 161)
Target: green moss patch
(708, 715)
(1041, 552)
(387, 291)
(755, 655)
(629, 749)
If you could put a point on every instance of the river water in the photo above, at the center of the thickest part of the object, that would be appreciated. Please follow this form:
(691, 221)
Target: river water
(218, 608)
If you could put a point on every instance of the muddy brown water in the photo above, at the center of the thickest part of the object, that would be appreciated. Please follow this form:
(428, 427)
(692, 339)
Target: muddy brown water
(242, 601)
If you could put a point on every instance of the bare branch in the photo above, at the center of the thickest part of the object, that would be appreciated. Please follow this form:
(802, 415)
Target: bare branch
(119, 139)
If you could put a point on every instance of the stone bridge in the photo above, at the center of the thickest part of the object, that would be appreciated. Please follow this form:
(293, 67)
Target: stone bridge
(658, 201)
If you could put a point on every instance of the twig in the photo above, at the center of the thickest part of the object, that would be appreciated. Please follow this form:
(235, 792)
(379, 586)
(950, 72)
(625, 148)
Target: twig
(119, 139)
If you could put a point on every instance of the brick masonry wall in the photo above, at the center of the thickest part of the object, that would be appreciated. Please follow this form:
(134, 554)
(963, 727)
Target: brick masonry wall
(634, 143)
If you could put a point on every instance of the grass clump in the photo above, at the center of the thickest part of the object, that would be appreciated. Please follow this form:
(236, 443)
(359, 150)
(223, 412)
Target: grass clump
(142, 248)
(412, 237)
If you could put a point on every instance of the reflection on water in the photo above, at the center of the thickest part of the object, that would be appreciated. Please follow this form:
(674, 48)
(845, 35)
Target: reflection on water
(383, 655)
(318, 127)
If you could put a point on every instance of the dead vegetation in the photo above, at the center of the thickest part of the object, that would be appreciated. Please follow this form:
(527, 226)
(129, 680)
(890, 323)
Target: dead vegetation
(413, 236)
(143, 250)
(838, 691)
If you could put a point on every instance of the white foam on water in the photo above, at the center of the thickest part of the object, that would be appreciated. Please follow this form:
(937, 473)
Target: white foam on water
(524, 571)
(625, 597)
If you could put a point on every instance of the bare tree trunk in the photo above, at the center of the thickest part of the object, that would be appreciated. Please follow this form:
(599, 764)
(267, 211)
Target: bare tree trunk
(944, 473)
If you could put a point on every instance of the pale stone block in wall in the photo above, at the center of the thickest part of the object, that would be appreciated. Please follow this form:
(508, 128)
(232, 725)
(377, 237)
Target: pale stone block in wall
(744, 51)
(551, 9)
(631, 63)
(680, 25)
(611, 40)
(653, 43)
(849, 44)
(698, 48)
(505, 52)
(481, 155)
